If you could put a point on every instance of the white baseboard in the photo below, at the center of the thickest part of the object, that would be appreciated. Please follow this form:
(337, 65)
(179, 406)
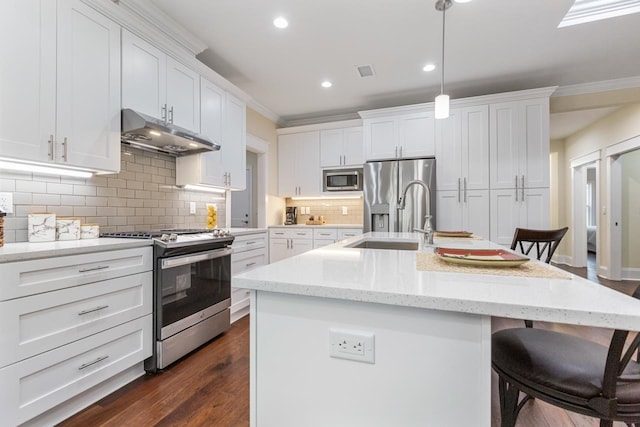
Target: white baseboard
(631, 274)
(562, 259)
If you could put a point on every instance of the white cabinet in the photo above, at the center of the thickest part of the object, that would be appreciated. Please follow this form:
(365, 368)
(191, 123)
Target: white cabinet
(155, 84)
(341, 147)
(73, 324)
(223, 120)
(324, 236)
(287, 242)
(406, 136)
(525, 208)
(462, 150)
(345, 233)
(464, 211)
(249, 251)
(519, 144)
(299, 164)
(60, 85)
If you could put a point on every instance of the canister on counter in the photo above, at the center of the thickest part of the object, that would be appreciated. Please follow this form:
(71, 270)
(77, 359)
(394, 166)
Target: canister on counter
(2, 215)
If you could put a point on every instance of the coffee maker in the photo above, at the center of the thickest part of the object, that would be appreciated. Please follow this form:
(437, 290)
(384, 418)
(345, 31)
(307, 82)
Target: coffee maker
(291, 217)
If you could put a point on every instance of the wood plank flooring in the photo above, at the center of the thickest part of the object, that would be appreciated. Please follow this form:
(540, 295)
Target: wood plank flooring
(210, 387)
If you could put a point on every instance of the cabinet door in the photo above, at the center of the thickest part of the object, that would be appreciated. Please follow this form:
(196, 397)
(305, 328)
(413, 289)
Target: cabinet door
(144, 78)
(235, 140)
(28, 79)
(299, 246)
(503, 133)
(319, 243)
(88, 100)
(505, 215)
(416, 137)
(278, 249)
(183, 96)
(476, 213)
(287, 148)
(353, 148)
(534, 152)
(449, 211)
(211, 116)
(308, 164)
(535, 210)
(475, 147)
(331, 147)
(449, 153)
(380, 139)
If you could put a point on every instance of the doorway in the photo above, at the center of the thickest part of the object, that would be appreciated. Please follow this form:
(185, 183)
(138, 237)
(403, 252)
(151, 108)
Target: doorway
(585, 212)
(243, 212)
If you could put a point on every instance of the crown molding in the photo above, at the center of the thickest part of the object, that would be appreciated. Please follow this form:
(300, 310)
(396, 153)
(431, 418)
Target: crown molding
(600, 86)
(264, 111)
(320, 126)
(321, 119)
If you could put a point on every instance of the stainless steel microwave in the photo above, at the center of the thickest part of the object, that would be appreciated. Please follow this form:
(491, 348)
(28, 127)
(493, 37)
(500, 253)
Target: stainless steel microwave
(342, 179)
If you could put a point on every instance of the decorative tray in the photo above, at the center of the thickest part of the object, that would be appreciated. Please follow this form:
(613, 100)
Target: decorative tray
(481, 257)
(441, 233)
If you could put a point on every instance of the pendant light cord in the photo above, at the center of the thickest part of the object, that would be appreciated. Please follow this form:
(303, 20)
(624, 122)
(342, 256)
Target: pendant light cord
(444, 9)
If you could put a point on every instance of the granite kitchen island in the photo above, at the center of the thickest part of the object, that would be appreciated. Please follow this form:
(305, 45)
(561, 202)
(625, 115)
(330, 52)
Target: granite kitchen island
(425, 356)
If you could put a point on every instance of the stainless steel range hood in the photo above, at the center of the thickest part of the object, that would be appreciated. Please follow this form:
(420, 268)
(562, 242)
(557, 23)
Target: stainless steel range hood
(151, 134)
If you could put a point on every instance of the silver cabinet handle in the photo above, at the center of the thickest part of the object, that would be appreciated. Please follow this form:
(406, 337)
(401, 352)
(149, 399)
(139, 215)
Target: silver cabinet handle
(396, 152)
(50, 147)
(523, 188)
(65, 143)
(171, 115)
(459, 186)
(100, 267)
(91, 310)
(229, 178)
(516, 188)
(322, 234)
(465, 189)
(249, 264)
(251, 243)
(401, 151)
(278, 233)
(86, 365)
(164, 113)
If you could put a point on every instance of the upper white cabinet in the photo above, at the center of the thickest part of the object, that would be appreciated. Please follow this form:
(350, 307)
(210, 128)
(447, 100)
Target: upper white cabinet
(341, 147)
(462, 150)
(405, 136)
(60, 84)
(299, 164)
(519, 144)
(155, 84)
(223, 120)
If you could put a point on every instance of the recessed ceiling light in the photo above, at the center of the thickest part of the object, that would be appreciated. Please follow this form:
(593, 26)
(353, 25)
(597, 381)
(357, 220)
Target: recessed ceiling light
(281, 22)
(326, 84)
(429, 67)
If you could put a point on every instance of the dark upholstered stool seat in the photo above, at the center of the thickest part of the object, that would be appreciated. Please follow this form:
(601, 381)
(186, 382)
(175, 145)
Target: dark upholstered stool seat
(561, 362)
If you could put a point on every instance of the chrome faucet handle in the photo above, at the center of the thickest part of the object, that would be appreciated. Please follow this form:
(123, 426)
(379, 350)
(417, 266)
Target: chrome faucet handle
(428, 235)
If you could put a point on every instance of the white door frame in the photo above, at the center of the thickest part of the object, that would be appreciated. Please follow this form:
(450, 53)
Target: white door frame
(614, 203)
(578, 212)
(261, 148)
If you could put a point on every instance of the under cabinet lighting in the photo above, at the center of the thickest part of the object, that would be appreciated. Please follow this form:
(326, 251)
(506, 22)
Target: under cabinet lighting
(326, 198)
(46, 170)
(203, 188)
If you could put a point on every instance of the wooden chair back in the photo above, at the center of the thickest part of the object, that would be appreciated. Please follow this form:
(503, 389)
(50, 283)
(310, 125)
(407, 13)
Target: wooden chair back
(544, 240)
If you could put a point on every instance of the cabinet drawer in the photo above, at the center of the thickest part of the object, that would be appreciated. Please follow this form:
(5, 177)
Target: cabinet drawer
(318, 243)
(36, 276)
(239, 294)
(291, 233)
(325, 233)
(40, 383)
(345, 233)
(39, 323)
(245, 261)
(249, 242)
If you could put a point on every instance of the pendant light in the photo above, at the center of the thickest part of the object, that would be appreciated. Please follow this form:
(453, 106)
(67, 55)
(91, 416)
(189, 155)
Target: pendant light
(442, 100)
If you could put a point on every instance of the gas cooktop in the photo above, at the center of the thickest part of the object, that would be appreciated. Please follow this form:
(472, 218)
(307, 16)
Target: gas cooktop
(172, 237)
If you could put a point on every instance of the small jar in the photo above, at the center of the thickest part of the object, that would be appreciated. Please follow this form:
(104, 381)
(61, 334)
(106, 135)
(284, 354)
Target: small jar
(2, 215)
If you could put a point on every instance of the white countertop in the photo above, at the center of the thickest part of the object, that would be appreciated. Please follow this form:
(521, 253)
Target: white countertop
(390, 277)
(318, 226)
(23, 251)
(237, 231)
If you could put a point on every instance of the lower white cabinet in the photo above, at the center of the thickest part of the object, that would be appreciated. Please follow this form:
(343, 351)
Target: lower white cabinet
(290, 241)
(524, 208)
(249, 251)
(75, 328)
(463, 211)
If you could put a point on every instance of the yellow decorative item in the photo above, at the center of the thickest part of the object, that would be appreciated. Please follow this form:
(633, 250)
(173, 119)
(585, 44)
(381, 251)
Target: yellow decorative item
(212, 216)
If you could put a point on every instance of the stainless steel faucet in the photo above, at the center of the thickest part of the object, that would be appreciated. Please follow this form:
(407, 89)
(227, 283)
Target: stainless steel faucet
(427, 228)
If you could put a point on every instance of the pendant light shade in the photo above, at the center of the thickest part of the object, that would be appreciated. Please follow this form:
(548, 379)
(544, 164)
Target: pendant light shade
(442, 100)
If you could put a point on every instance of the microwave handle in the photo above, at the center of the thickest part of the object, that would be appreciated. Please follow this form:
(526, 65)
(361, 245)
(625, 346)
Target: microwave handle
(340, 173)
(190, 259)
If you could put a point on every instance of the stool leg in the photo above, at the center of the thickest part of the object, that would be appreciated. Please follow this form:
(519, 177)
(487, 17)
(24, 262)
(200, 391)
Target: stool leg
(508, 403)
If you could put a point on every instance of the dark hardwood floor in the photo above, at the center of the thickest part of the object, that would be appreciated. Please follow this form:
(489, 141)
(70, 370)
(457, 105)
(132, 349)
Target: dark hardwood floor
(210, 387)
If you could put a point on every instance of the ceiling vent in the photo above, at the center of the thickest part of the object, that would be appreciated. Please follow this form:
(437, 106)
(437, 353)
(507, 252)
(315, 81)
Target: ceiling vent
(365, 71)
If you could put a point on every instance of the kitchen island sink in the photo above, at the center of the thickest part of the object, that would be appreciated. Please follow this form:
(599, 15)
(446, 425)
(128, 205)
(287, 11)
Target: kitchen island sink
(362, 336)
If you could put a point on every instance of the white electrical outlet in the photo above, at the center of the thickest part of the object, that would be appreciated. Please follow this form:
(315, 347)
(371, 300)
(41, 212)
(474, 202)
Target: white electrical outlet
(6, 202)
(192, 208)
(351, 345)
(345, 210)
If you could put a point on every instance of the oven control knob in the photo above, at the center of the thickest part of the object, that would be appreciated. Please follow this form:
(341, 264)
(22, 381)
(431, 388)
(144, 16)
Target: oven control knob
(164, 237)
(173, 237)
(224, 232)
(216, 233)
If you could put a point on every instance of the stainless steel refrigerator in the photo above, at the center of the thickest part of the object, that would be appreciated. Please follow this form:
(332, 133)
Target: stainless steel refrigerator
(384, 184)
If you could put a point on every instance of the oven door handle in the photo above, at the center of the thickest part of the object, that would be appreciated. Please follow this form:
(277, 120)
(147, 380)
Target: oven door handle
(190, 259)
